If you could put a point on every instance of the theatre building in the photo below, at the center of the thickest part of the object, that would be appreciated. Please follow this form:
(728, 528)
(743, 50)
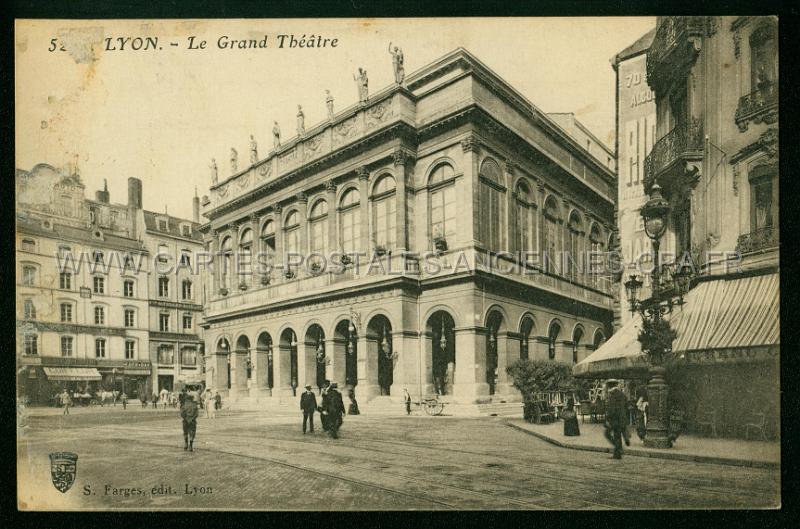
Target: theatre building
(449, 185)
(716, 158)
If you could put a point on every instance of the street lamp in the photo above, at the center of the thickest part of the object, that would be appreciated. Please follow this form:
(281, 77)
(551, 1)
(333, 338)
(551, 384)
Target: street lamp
(657, 336)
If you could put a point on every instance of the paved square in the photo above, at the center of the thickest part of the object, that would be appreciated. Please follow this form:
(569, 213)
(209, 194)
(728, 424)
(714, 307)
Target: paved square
(134, 459)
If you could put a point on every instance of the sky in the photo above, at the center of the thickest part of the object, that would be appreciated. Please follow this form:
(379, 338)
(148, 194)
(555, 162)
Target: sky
(162, 114)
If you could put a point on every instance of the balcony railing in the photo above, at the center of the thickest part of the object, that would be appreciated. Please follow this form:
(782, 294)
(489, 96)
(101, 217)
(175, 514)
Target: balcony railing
(761, 105)
(672, 32)
(763, 239)
(682, 141)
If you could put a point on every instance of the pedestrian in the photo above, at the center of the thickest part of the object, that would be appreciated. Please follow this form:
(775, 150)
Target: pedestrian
(353, 408)
(616, 418)
(143, 399)
(66, 401)
(323, 417)
(210, 405)
(124, 398)
(155, 400)
(181, 397)
(308, 403)
(641, 416)
(570, 418)
(333, 408)
(189, 414)
(217, 401)
(407, 399)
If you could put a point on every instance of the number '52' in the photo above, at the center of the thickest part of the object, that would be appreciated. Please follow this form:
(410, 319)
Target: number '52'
(54, 45)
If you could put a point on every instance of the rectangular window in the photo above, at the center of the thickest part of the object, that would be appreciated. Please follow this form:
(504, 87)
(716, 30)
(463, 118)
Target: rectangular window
(188, 356)
(99, 285)
(384, 222)
(130, 318)
(66, 346)
(185, 259)
(130, 350)
(187, 290)
(187, 321)
(29, 310)
(443, 215)
(28, 275)
(127, 288)
(28, 245)
(762, 202)
(66, 312)
(163, 322)
(166, 355)
(65, 281)
(99, 316)
(31, 344)
(98, 257)
(100, 348)
(163, 287)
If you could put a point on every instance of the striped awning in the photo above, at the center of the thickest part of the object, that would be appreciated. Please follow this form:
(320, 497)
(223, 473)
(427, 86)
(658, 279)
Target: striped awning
(72, 373)
(722, 321)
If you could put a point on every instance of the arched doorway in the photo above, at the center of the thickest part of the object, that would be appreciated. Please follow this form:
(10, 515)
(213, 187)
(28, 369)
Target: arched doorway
(315, 357)
(379, 330)
(224, 347)
(346, 335)
(526, 329)
(494, 324)
(264, 345)
(443, 351)
(242, 364)
(288, 360)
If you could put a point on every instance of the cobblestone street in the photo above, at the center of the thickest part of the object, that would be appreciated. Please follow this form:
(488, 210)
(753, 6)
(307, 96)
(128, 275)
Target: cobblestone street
(251, 461)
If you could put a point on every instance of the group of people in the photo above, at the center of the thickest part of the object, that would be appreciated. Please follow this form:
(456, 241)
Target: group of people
(331, 408)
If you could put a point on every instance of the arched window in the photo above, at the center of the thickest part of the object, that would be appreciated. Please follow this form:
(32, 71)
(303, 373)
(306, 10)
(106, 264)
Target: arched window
(383, 212)
(291, 235)
(763, 58)
(186, 289)
(576, 233)
(350, 221)
(226, 249)
(245, 255)
(599, 338)
(492, 199)
(552, 336)
(577, 336)
(442, 204)
(318, 227)
(550, 245)
(268, 237)
(597, 259)
(526, 329)
(524, 219)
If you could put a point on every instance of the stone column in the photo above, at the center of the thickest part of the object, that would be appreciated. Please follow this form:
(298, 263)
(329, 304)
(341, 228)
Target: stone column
(255, 248)
(335, 349)
(565, 250)
(508, 345)
(238, 374)
(302, 209)
(333, 245)
(233, 274)
(403, 161)
(470, 385)
(405, 345)
(216, 263)
(511, 217)
(278, 261)
(363, 188)
(367, 367)
(540, 222)
(281, 363)
(467, 195)
(220, 377)
(307, 363)
(423, 367)
(260, 372)
(538, 348)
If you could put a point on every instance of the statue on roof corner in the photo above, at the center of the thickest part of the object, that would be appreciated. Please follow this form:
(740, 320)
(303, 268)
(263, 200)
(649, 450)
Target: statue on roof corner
(363, 85)
(276, 135)
(234, 161)
(397, 62)
(214, 173)
(253, 150)
(301, 121)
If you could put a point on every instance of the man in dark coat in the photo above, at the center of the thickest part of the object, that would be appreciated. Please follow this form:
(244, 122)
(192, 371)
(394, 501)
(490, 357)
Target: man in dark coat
(189, 412)
(308, 403)
(333, 408)
(323, 417)
(616, 417)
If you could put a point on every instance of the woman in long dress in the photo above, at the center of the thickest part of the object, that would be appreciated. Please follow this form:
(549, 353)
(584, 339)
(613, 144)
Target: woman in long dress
(571, 427)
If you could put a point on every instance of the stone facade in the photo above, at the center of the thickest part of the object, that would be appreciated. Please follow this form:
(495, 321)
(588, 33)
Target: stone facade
(442, 184)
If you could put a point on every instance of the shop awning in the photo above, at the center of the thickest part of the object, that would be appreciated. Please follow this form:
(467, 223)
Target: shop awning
(72, 373)
(722, 321)
(619, 357)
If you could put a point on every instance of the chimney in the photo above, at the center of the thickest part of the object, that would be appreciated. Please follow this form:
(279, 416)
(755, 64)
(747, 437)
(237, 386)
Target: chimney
(134, 193)
(196, 207)
(103, 196)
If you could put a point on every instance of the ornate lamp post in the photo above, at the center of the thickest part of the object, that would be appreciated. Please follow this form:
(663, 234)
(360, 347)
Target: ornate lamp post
(657, 336)
(293, 356)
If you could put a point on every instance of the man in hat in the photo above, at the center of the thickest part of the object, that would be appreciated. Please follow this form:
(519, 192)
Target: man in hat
(189, 413)
(308, 403)
(616, 417)
(323, 418)
(333, 409)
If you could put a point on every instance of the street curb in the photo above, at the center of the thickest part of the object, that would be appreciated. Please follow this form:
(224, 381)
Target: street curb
(654, 455)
